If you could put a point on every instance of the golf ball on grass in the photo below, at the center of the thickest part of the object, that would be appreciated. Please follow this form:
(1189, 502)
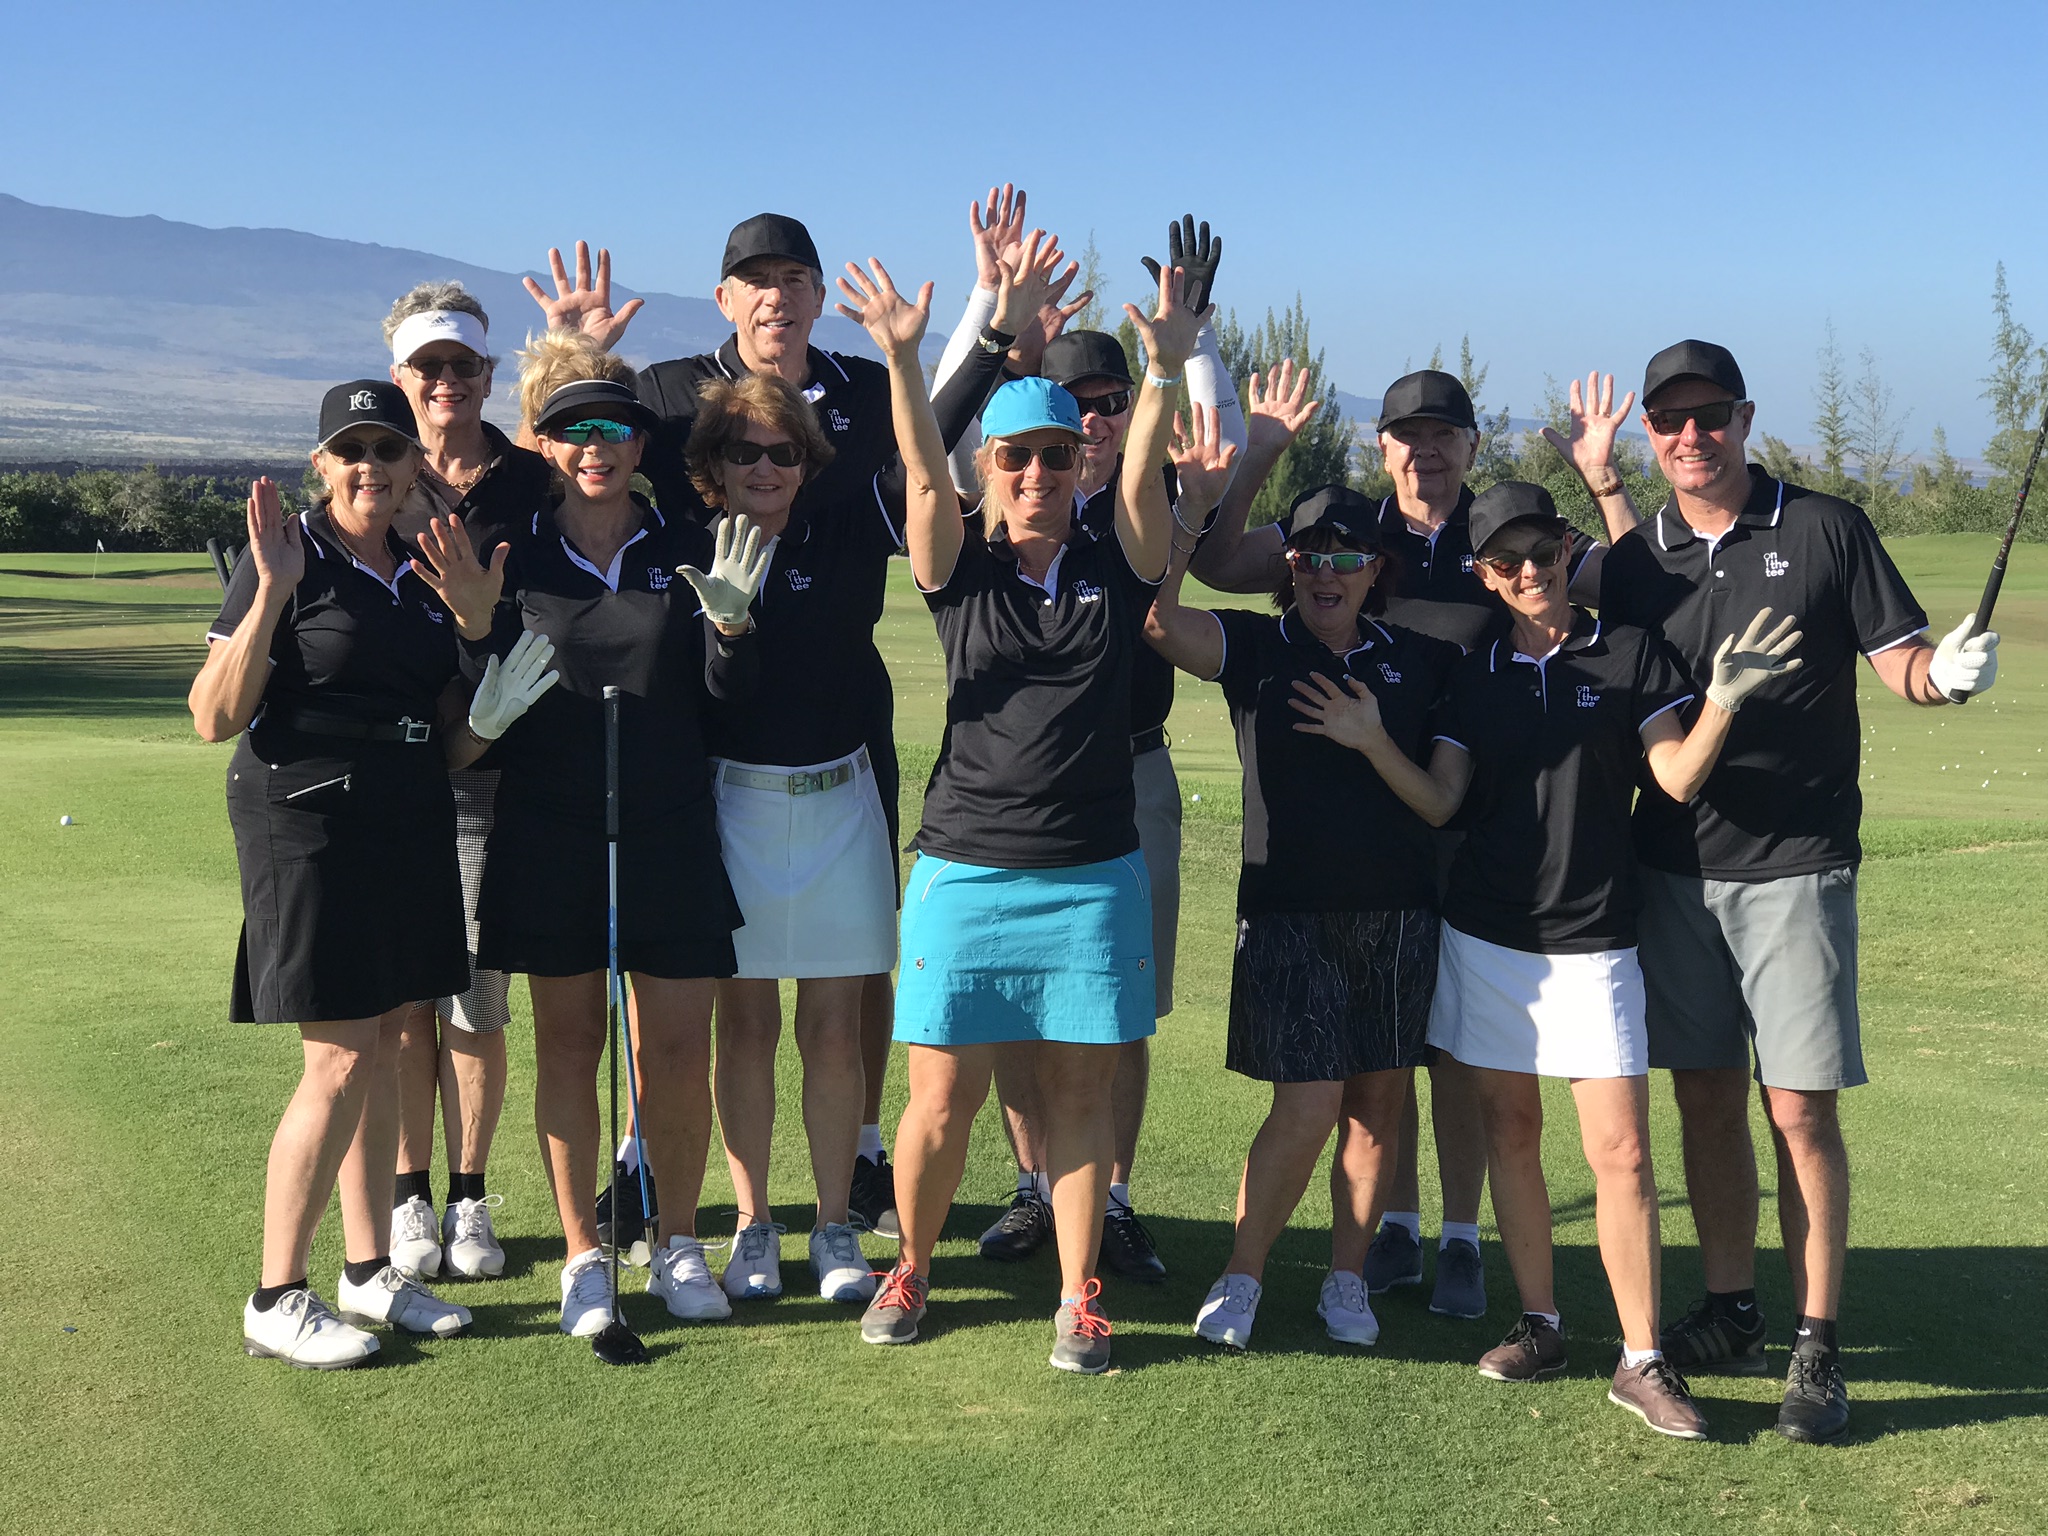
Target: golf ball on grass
(63, 821)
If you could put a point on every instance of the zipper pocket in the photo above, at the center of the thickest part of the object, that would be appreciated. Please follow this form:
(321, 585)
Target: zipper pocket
(323, 784)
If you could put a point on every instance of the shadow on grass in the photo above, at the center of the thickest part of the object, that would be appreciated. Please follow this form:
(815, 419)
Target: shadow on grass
(96, 680)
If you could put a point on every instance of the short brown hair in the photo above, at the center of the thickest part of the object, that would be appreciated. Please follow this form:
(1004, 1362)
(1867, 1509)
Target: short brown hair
(725, 407)
(563, 357)
(1324, 537)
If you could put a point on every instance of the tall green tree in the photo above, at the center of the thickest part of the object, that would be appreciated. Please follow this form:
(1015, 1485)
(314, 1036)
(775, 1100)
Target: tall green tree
(1321, 455)
(1831, 415)
(2017, 386)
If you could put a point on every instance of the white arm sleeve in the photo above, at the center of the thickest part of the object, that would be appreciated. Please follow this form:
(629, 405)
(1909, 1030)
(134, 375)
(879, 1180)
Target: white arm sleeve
(1209, 383)
(981, 308)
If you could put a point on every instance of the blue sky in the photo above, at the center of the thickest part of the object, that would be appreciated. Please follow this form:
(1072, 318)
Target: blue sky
(1574, 186)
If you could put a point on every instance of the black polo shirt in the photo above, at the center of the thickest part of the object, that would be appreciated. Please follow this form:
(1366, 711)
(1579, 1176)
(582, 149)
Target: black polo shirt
(504, 496)
(823, 685)
(1151, 673)
(1546, 865)
(349, 642)
(1782, 799)
(1034, 771)
(1322, 831)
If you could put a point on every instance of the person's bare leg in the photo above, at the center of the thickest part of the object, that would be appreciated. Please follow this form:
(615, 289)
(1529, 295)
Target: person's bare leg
(1023, 1101)
(1460, 1130)
(1512, 1103)
(828, 1036)
(877, 1027)
(1127, 1104)
(947, 1086)
(419, 1071)
(672, 1062)
(1368, 1138)
(749, 1031)
(1813, 1194)
(1080, 1142)
(1614, 1129)
(1278, 1167)
(473, 1077)
(1404, 1181)
(1720, 1171)
(568, 1043)
(366, 1181)
(312, 1137)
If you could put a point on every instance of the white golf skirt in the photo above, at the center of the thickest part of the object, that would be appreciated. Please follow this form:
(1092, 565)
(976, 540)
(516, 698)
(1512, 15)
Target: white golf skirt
(1553, 1015)
(812, 867)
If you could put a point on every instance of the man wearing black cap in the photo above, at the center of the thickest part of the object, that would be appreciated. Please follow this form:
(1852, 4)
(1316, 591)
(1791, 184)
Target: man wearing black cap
(1749, 890)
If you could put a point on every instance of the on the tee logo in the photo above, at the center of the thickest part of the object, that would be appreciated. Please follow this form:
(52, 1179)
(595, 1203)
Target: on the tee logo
(362, 400)
(657, 579)
(1083, 593)
(1588, 699)
(798, 581)
(840, 423)
(1776, 564)
(1389, 673)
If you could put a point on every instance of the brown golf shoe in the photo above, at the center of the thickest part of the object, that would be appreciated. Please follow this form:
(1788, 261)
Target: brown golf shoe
(1532, 1351)
(1656, 1394)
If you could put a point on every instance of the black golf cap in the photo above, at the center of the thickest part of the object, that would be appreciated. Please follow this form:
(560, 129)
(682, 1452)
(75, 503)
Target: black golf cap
(1085, 355)
(594, 400)
(1693, 360)
(1512, 501)
(1339, 507)
(769, 234)
(1430, 393)
(366, 403)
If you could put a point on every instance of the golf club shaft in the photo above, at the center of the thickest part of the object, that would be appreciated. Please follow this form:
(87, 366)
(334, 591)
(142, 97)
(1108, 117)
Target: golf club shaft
(1981, 619)
(611, 842)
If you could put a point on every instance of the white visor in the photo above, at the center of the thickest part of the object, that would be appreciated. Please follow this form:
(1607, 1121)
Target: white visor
(415, 331)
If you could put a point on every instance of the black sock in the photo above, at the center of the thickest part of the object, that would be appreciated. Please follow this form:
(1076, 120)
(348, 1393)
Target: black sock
(267, 1296)
(366, 1270)
(1816, 1336)
(1740, 1305)
(465, 1186)
(419, 1182)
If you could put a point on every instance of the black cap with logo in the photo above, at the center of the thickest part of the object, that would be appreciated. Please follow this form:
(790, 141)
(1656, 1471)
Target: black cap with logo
(1693, 360)
(1085, 355)
(1430, 393)
(1339, 507)
(366, 402)
(1512, 501)
(773, 235)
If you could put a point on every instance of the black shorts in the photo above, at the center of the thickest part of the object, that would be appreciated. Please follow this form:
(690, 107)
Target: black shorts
(1317, 997)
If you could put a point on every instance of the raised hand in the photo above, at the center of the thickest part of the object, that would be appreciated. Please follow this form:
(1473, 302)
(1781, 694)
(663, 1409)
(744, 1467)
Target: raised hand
(1349, 716)
(896, 324)
(584, 305)
(1198, 256)
(1168, 335)
(739, 562)
(509, 687)
(1279, 407)
(1201, 459)
(997, 230)
(273, 539)
(449, 565)
(1030, 271)
(1590, 448)
(1741, 666)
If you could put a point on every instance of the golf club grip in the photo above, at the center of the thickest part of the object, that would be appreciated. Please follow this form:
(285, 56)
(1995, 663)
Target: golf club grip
(611, 762)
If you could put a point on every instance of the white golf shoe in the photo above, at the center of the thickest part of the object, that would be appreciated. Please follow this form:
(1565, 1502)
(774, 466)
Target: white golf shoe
(301, 1330)
(393, 1297)
(1345, 1311)
(754, 1271)
(1228, 1312)
(841, 1268)
(416, 1239)
(681, 1278)
(586, 1294)
(468, 1243)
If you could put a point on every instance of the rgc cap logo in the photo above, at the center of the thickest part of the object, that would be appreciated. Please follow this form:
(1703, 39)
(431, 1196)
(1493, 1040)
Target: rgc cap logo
(362, 400)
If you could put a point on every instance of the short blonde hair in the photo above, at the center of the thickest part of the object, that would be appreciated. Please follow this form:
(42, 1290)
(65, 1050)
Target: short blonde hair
(725, 407)
(560, 357)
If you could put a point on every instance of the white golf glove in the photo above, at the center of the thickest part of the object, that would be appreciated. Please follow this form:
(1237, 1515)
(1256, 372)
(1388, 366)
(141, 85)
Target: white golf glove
(739, 561)
(1741, 666)
(508, 691)
(1964, 667)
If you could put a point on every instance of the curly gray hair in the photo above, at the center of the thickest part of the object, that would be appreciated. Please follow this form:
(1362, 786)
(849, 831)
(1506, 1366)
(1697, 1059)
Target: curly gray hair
(430, 296)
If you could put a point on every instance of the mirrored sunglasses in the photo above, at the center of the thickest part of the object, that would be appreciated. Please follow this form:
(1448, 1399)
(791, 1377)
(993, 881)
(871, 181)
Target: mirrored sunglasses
(582, 432)
(1345, 562)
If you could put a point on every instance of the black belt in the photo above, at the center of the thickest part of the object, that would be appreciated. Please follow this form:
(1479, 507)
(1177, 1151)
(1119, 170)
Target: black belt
(1148, 741)
(319, 722)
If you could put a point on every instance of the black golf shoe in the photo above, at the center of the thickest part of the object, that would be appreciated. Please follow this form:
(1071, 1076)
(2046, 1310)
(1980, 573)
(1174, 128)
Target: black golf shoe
(1710, 1340)
(634, 1224)
(872, 1199)
(1127, 1247)
(1022, 1231)
(1816, 1406)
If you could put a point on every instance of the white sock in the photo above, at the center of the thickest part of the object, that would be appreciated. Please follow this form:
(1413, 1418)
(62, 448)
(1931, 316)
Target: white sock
(1463, 1231)
(1631, 1358)
(1551, 1318)
(1412, 1220)
(871, 1143)
(629, 1153)
(1026, 1181)
(1042, 1182)
(1119, 1195)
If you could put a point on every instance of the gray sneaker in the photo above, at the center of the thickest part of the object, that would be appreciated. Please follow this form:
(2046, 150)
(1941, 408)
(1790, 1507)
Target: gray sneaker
(892, 1317)
(1081, 1333)
(1395, 1258)
(1460, 1281)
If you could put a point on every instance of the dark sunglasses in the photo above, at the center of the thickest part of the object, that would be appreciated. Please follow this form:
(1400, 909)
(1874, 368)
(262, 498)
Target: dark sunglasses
(1013, 457)
(1543, 556)
(461, 367)
(384, 449)
(1345, 562)
(583, 431)
(1115, 403)
(781, 455)
(1710, 418)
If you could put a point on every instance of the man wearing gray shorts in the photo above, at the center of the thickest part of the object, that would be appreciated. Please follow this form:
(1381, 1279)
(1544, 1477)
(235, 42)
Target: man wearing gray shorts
(1748, 927)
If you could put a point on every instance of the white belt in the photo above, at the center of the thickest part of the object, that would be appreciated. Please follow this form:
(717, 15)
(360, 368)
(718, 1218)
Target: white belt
(807, 783)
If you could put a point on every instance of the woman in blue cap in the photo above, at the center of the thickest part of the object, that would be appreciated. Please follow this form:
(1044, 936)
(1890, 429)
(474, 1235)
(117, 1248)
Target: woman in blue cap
(1028, 916)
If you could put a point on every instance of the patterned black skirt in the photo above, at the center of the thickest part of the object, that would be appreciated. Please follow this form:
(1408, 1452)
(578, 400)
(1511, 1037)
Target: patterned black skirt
(1316, 997)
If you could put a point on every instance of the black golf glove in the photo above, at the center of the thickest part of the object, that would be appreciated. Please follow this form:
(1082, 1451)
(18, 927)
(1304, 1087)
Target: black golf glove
(1195, 256)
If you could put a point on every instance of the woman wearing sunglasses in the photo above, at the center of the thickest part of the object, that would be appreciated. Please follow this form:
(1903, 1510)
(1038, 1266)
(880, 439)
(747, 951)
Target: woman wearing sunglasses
(604, 573)
(1027, 917)
(334, 667)
(1337, 927)
(1543, 734)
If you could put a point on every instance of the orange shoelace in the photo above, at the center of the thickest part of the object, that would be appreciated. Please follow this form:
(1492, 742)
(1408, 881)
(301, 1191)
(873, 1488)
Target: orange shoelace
(1088, 1315)
(903, 1287)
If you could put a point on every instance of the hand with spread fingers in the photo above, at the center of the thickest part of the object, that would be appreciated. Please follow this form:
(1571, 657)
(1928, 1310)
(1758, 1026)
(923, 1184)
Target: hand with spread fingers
(509, 687)
(1349, 716)
(1054, 311)
(1279, 406)
(739, 562)
(447, 563)
(1202, 460)
(1590, 447)
(1196, 255)
(1169, 333)
(273, 539)
(997, 230)
(1743, 665)
(584, 305)
(896, 324)
(1964, 664)
(1024, 278)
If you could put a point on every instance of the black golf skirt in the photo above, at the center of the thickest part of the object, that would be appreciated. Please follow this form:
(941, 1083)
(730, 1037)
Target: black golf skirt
(351, 895)
(1316, 997)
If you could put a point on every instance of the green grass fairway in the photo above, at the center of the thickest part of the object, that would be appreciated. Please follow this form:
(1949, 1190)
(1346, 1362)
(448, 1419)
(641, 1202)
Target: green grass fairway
(136, 1120)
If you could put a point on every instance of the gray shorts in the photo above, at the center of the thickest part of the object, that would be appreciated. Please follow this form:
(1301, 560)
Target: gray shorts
(1159, 813)
(486, 1007)
(1732, 966)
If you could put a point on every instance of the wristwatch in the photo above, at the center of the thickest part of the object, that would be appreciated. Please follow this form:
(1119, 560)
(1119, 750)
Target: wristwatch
(993, 341)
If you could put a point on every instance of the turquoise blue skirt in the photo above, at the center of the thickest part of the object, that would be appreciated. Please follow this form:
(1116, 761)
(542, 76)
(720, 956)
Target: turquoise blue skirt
(993, 955)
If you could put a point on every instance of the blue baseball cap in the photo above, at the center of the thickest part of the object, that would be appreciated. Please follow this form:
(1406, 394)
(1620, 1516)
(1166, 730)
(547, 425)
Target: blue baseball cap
(1030, 405)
